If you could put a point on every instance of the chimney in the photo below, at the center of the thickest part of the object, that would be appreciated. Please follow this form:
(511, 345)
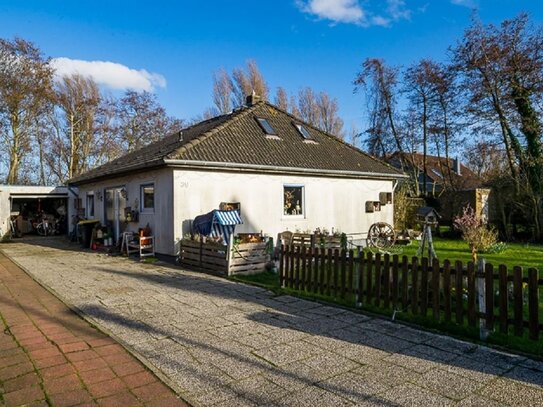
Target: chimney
(457, 166)
(252, 99)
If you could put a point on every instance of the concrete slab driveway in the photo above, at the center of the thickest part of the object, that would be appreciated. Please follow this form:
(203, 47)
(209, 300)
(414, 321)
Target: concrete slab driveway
(222, 343)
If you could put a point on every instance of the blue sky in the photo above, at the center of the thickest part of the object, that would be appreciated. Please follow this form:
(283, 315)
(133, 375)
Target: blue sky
(173, 47)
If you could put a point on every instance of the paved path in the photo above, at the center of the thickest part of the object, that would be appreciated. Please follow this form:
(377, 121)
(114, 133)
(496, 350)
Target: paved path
(50, 356)
(228, 344)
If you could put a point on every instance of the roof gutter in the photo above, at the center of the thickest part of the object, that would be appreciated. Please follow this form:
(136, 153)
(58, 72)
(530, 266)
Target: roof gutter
(279, 170)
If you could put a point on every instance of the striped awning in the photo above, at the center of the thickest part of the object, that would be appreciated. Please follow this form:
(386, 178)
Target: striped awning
(227, 217)
(217, 223)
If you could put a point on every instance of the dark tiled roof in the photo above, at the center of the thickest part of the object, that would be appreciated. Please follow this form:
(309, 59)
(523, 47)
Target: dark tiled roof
(437, 170)
(237, 138)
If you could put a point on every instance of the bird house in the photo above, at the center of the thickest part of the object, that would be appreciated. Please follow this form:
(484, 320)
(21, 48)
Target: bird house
(428, 215)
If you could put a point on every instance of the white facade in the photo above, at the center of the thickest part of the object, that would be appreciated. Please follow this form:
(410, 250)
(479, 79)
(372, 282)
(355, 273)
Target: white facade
(160, 219)
(181, 195)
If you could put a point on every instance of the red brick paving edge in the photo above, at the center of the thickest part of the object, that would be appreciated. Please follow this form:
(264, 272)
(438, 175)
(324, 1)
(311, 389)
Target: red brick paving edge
(161, 376)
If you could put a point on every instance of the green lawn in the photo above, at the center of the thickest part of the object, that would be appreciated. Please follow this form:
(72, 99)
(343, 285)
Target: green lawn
(516, 254)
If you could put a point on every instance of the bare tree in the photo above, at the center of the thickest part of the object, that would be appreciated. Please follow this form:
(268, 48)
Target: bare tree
(222, 91)
(140, 120)
(502, 70)
(329, 120)
(307, 105)
(249, 81)
(25, 85)
(78, 99)
(281, 99)
(379, 83)
(420, 92)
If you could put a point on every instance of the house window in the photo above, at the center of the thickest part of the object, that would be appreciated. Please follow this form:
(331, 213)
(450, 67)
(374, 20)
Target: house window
(148, 198)
(373, 206)
(385, 198)
(303, 131)
(90, 205)
(293, 200)
(266, 126)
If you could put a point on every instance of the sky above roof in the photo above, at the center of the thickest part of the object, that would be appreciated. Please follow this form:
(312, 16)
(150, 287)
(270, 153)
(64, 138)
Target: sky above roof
(172, 48)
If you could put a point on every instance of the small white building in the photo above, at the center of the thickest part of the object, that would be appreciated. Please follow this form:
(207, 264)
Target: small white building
(283, 174)
(26, 203)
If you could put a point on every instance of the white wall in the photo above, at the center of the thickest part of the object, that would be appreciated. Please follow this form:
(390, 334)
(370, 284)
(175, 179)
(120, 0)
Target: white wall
(160, 220)
(329, 202)
(181, 195)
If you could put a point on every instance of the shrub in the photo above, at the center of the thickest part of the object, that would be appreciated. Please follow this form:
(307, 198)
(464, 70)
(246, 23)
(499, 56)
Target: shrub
(479, 237)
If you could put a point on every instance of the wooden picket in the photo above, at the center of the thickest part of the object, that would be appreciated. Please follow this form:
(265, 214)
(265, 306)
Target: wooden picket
(440, 291)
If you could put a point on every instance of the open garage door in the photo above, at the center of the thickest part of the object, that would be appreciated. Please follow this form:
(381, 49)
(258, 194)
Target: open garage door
(29, 210)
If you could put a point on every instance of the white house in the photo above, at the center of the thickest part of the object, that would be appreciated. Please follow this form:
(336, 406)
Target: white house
(282, 173)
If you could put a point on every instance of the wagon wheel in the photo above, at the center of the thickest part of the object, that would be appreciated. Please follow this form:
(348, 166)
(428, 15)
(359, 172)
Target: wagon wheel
(381, 235)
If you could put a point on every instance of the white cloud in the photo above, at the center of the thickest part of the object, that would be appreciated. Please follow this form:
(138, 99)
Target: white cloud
(339, 11)
(110, 74)
(466, 3)
(397, 11)
(351, 11)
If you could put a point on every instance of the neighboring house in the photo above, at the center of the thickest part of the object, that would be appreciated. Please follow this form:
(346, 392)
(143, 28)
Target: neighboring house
(452, 183)
(441, 173)
(281, 173)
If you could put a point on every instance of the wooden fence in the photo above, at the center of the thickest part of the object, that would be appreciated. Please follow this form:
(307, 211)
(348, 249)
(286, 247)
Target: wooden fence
(243, 258)
(494, 297)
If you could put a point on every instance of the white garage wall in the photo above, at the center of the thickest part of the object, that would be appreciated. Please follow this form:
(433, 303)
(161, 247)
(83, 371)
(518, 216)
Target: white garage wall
(329, 202)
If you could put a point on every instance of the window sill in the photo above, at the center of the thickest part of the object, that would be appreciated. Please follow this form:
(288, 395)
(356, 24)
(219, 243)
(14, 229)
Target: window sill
(293, 217)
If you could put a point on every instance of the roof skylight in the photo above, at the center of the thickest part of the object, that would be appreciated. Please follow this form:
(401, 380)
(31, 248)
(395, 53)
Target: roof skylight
(266, 126)
(303, 131)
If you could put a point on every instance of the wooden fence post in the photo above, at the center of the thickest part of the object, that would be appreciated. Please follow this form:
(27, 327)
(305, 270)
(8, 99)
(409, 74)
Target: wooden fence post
(395, 281)
(343, 273)
(504, 306)
(489, 293)
(303, 268)
(424, 287)
(435, 289)
(518, 301)
(360, 291)
(350, 274)
(336, 273)
(386, 281)
(322, 281)
(481, 295)
(533, 304)
(329, 273)
(405, 282)
(415, 286)
(459, 294)
(369, 267)
(447, 289)
(472, 312)
(377, 300)
(316, 270)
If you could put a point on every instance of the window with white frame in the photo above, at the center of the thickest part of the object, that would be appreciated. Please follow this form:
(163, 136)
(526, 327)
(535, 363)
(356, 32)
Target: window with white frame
(90, 205)
(293, 200)
(147, 198)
